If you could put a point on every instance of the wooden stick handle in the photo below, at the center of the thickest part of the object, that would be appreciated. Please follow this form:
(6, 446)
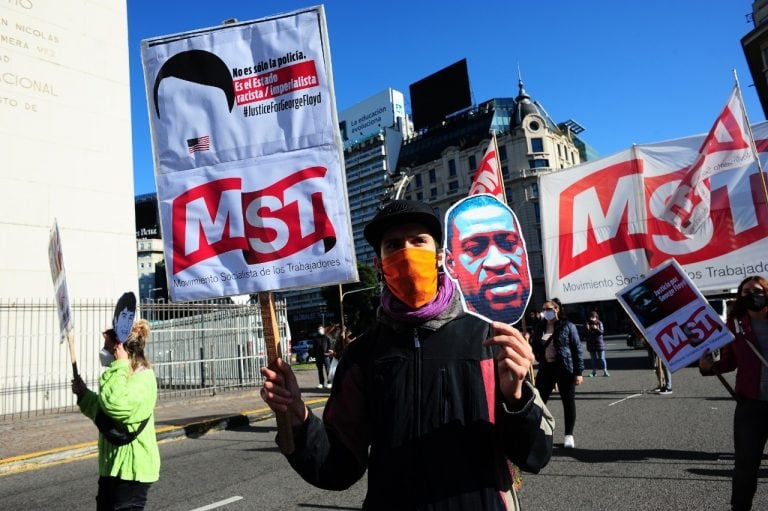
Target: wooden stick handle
(272, 341)
(724, 382)
(72, 354)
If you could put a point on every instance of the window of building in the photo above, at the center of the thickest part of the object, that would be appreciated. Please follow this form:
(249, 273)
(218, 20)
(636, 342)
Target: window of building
(453, 186)
(764, 51)
(472, 163)
(433, 193)
(432, 176)
(537, 145)
(537, 212)
(538, 164)
(504, 171)
(534, 190)
(503, 153)
(452, 168)
(508, 194)
(418, 180)
(419, 196)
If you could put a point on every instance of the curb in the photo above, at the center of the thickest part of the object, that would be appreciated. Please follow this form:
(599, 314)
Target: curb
(38, 460)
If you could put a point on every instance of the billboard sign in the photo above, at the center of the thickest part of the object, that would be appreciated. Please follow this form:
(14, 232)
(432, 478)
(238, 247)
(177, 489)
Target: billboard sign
(370, 116)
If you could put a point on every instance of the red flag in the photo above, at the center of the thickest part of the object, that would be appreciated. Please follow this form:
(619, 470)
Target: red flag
(726, 147)
(487, 178)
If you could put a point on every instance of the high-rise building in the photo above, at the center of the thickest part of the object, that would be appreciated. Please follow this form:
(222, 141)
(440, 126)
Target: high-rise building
(372, 132)
(755, 45)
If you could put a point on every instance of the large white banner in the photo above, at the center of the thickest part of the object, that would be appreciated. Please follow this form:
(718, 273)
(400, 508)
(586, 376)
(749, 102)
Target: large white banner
(248, 160)
(602, 225)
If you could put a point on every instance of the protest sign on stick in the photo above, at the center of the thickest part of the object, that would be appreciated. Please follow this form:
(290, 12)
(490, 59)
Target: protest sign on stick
(248, 157)
(673, 316)
(59, 278)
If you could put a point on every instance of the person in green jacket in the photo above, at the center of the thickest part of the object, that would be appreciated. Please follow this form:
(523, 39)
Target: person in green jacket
(127, 395)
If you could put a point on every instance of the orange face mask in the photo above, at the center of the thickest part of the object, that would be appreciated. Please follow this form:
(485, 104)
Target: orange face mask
(411, 275)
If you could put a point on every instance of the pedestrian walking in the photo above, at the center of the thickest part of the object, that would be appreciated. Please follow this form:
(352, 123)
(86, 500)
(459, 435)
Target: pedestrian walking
(321, 350)
(123, 411)
(595, 343)
(432, 401)
(557, 347)
(747, 355)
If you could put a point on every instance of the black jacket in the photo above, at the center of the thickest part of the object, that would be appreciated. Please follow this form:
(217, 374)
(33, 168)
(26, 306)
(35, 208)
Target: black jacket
(321, 344)
(567, 346)
(428, 406)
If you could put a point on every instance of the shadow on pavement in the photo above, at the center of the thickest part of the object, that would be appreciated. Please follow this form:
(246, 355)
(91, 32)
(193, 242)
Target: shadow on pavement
(727, 472)
(613, 455)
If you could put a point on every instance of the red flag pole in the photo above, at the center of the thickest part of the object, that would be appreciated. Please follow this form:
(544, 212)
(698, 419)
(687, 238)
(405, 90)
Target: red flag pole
(498, 164)
(751, 138)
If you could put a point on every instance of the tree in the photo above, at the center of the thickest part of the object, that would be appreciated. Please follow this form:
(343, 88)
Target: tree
(360, 307)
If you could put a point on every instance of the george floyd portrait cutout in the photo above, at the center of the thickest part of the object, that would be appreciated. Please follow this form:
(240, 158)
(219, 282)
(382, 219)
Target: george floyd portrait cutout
(485, 255)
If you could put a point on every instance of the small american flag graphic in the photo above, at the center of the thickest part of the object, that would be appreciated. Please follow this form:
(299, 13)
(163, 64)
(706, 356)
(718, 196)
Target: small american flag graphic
(199, 144)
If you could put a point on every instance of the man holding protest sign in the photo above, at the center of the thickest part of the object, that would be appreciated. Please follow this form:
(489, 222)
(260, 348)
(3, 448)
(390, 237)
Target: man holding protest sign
(747, 354)
(382, 413)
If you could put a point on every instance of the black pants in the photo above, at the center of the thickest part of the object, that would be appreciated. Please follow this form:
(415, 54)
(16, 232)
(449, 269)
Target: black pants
(551, 373)
(750, 432)
(323, 363)
(118, 494)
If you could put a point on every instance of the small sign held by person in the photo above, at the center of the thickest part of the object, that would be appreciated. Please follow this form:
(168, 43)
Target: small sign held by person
(673, 315)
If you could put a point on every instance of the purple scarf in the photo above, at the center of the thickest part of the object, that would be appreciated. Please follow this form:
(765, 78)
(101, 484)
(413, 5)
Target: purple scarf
(400, 312)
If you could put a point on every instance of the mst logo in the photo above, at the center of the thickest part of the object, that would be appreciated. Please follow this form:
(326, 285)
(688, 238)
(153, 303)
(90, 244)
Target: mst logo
(698, 328)
(268, 224)
(601, 215)
(618, 208)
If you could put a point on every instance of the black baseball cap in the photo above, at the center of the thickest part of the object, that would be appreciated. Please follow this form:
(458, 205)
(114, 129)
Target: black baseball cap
(400, 212)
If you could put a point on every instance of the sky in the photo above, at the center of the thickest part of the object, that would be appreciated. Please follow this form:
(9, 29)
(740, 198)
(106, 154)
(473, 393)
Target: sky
(628, 72)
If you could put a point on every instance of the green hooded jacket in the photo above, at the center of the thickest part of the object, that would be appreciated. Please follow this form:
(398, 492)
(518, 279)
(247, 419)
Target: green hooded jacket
(129, 398)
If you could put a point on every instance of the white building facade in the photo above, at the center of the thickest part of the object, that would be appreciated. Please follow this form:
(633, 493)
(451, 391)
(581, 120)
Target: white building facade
(65, 155)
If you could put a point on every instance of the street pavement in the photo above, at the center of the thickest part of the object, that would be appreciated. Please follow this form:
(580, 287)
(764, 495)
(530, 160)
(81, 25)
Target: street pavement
(37, 441)
(635, 450)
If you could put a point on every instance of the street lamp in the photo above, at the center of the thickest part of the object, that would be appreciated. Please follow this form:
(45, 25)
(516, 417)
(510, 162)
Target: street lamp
(341, 301)
(151, 305)
(154, 289)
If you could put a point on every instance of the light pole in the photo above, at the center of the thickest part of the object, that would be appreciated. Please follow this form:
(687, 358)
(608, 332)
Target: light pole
(152, 306)
(152, 290)
(341, 301)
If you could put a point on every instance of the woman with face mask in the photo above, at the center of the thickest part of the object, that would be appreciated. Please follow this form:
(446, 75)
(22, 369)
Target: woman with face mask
(557, 346)
(433, 402)
(123, 410)
(595, 343)
(748, 355)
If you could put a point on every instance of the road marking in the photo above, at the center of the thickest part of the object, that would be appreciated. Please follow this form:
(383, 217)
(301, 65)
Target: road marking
(219, 503)
(622, 400)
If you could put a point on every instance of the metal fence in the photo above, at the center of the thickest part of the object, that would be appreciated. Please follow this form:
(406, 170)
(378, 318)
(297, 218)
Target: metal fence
(195, 349)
